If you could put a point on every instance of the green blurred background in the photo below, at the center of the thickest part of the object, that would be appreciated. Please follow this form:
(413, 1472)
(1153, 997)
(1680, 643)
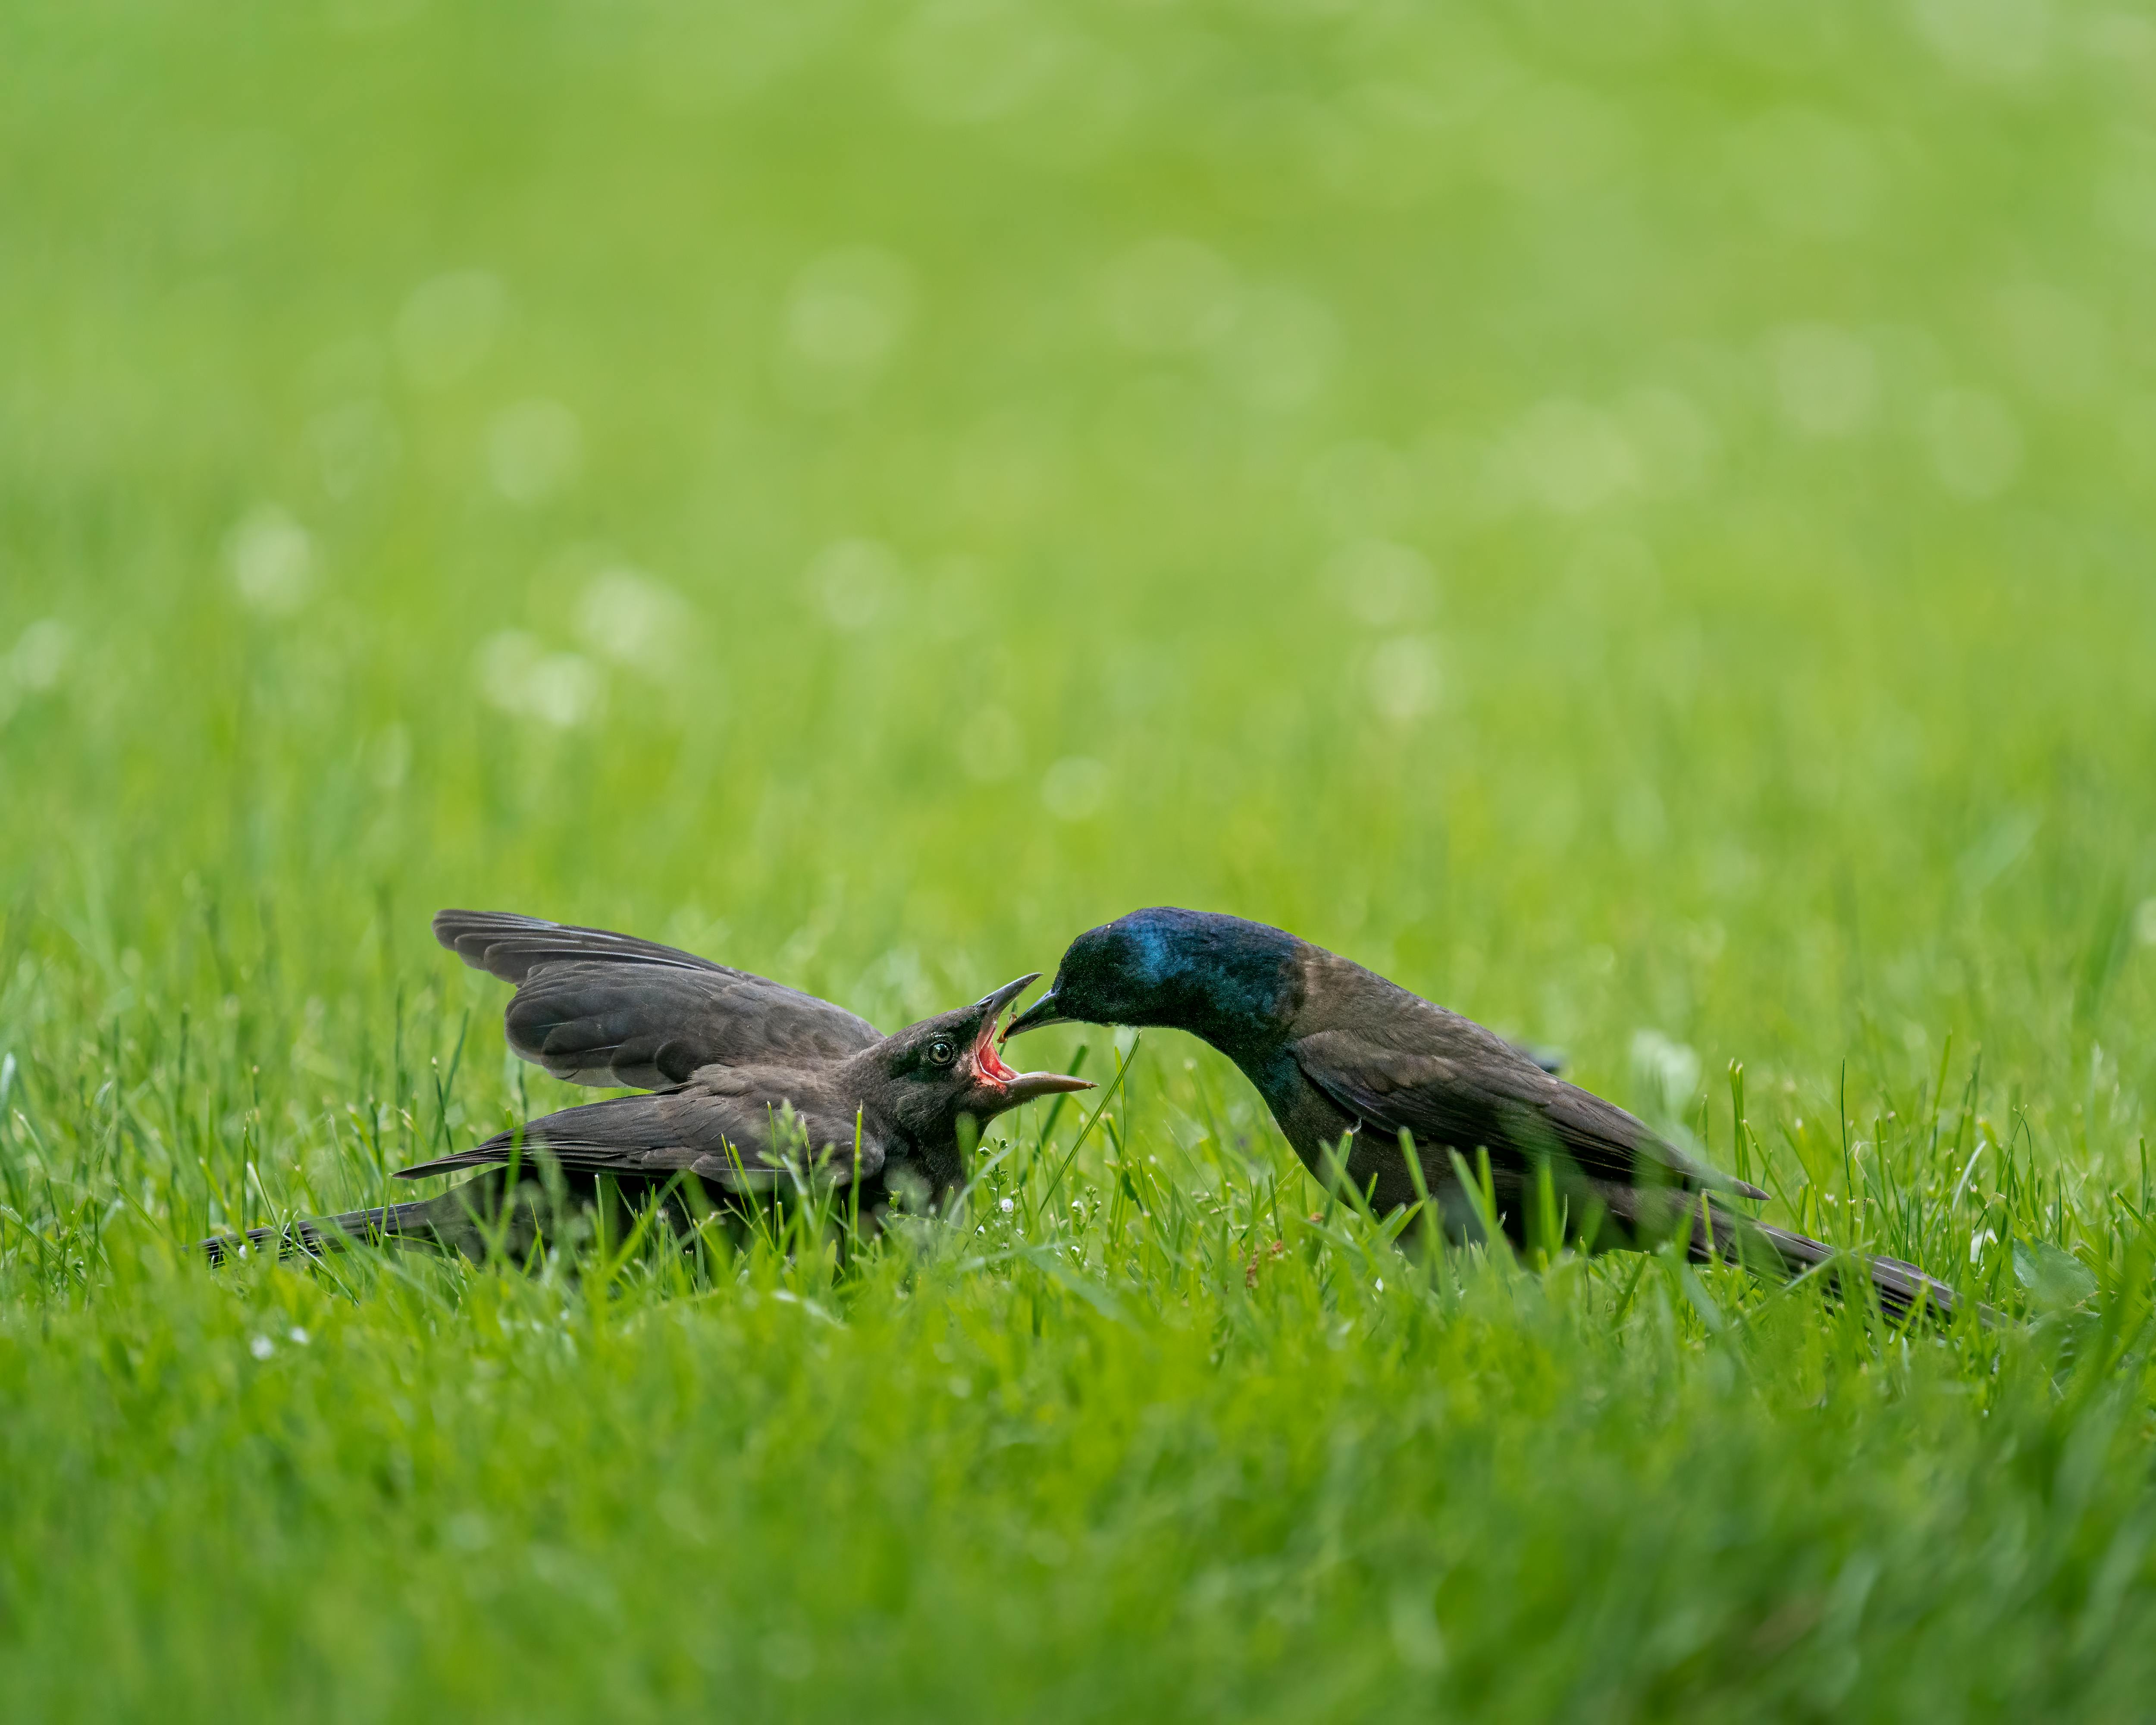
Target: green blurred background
(1633, 518)
(1618, 513)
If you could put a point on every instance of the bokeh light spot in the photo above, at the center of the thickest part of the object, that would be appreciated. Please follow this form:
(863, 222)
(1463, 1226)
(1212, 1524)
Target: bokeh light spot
(1075, 787)
(272, 560)
(534, 449)
(447, 325)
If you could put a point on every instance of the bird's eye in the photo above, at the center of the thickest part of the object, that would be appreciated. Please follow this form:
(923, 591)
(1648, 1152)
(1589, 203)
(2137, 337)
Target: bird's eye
(941, 1053)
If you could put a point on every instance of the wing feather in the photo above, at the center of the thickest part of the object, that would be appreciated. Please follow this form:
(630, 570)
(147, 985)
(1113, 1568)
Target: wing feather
(1481, 1091)
(728, 1139)
(601, 1008)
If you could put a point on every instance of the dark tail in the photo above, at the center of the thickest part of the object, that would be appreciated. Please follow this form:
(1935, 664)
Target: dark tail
(312, 1239)
(1902, 1288)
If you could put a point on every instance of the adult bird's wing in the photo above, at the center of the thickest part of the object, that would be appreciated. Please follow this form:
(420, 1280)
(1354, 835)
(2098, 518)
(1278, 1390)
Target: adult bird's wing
(1461, 1086)
(596, 1008)
(727, 1129)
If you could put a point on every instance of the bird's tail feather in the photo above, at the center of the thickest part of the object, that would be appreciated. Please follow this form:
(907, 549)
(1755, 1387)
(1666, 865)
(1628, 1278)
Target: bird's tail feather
(1646, 1216)
(313, 1237)
(1900, 1287)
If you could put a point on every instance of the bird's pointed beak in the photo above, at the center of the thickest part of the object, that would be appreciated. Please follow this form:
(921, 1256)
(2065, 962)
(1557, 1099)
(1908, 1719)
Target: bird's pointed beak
(1016, 1087)
(1043, 1011)
(1026, 1086)
(992, 1005)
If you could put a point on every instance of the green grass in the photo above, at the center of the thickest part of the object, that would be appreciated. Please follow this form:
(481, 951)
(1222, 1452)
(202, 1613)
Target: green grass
(1633, 520)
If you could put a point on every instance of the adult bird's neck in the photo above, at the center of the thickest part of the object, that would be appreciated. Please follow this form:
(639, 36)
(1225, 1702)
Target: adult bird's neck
(1241, 996)
(1249, 1040)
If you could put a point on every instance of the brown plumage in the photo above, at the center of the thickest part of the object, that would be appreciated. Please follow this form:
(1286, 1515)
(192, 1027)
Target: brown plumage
(1349, 1063)
(750, 1084)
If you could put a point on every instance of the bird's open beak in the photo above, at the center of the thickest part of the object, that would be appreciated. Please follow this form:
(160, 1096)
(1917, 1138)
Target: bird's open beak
(1041, 1012)
(1024, 1087)
(1016, 1087)
(992, 1006)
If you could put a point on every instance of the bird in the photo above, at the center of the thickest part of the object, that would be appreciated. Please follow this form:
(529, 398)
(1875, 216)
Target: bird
(747, 1085)
(1359, 1073)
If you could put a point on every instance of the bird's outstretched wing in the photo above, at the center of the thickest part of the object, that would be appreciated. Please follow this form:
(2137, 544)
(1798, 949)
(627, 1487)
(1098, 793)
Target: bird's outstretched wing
(739, 1137)
(596, 1008)
(1461, 1086)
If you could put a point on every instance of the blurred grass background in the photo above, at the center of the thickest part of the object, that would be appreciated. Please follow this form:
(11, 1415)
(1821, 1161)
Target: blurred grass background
(1633, 519)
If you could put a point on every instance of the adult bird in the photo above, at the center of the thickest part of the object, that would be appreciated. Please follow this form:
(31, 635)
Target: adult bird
(1351, 1063)
(747, 1083)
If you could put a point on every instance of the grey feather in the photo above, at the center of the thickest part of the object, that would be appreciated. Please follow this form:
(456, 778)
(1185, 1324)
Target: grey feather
(1480, 1091)
(596, 1007)
(740, 1131)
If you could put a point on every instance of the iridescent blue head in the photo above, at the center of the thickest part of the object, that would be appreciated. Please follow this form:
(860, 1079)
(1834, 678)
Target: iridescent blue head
(1229, 981)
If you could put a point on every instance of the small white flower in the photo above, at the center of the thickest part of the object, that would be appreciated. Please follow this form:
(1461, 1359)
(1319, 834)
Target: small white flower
(1007, 1206)
(298, 1335)
(262, 1347)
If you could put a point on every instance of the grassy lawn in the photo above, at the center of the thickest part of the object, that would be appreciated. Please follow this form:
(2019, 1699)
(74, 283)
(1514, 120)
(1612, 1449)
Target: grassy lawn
(1637, 521)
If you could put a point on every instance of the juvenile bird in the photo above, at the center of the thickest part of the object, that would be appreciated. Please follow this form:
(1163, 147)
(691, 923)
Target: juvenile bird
(1343, 1057)
(744, 1077)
